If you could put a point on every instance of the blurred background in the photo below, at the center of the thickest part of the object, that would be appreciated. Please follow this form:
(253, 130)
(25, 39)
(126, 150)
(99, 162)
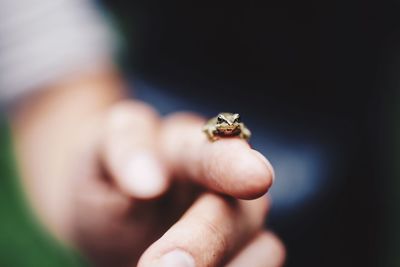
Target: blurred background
(318, 84)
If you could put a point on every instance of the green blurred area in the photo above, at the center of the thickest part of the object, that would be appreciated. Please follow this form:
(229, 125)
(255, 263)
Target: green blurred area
(22, 241)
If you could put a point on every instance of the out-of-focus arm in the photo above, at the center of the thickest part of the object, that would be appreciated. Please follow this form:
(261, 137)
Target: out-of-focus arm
(42, 41)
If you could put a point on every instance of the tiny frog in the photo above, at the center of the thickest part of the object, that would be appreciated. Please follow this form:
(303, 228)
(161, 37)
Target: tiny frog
(226, 125)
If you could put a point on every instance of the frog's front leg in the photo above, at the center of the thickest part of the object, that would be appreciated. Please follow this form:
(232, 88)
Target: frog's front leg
(244, 132)
(210, 132)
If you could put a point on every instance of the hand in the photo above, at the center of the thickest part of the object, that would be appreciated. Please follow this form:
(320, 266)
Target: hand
(129, 177)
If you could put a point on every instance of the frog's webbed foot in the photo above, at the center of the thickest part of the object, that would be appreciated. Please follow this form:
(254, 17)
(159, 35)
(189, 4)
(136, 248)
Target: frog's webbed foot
(244, 132)
(210, 132)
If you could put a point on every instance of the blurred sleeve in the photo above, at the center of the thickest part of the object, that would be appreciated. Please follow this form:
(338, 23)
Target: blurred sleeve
(44, 40)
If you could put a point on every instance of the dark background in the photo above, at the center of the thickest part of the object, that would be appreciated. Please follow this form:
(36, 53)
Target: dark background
(322, 69)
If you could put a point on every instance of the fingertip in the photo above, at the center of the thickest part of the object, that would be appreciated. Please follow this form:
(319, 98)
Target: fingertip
(259, 176)
(275, 246)
(266, 162)
(240, 171)
(252, 184)
(264, 250)
(144, 176)
(255, 175)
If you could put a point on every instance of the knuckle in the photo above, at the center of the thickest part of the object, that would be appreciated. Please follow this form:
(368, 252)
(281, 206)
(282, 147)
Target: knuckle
(142, 108)
(127, 113)
(183, 117)
(212, 231)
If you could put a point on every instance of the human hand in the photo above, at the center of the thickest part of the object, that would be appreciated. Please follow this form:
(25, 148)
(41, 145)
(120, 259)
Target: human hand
(134, 175)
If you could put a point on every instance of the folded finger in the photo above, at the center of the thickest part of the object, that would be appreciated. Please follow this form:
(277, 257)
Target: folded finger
(130, 150)
(208, 234)
(228, 165)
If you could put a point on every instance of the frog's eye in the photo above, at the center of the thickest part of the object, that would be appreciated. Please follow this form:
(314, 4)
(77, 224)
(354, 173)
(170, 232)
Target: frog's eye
(220, 120)
(237, 119)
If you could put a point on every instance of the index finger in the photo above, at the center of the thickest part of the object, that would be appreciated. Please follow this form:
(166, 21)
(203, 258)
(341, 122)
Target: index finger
(228, 165)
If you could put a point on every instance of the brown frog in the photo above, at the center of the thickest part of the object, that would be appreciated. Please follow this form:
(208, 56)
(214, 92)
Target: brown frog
(226, 125)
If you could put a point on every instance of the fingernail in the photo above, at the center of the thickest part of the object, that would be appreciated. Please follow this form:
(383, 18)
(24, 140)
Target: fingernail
(264, 159)
(144, 175)
(176, 258)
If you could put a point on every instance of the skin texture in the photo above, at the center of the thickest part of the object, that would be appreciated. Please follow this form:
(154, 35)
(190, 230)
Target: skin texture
(110, 177)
